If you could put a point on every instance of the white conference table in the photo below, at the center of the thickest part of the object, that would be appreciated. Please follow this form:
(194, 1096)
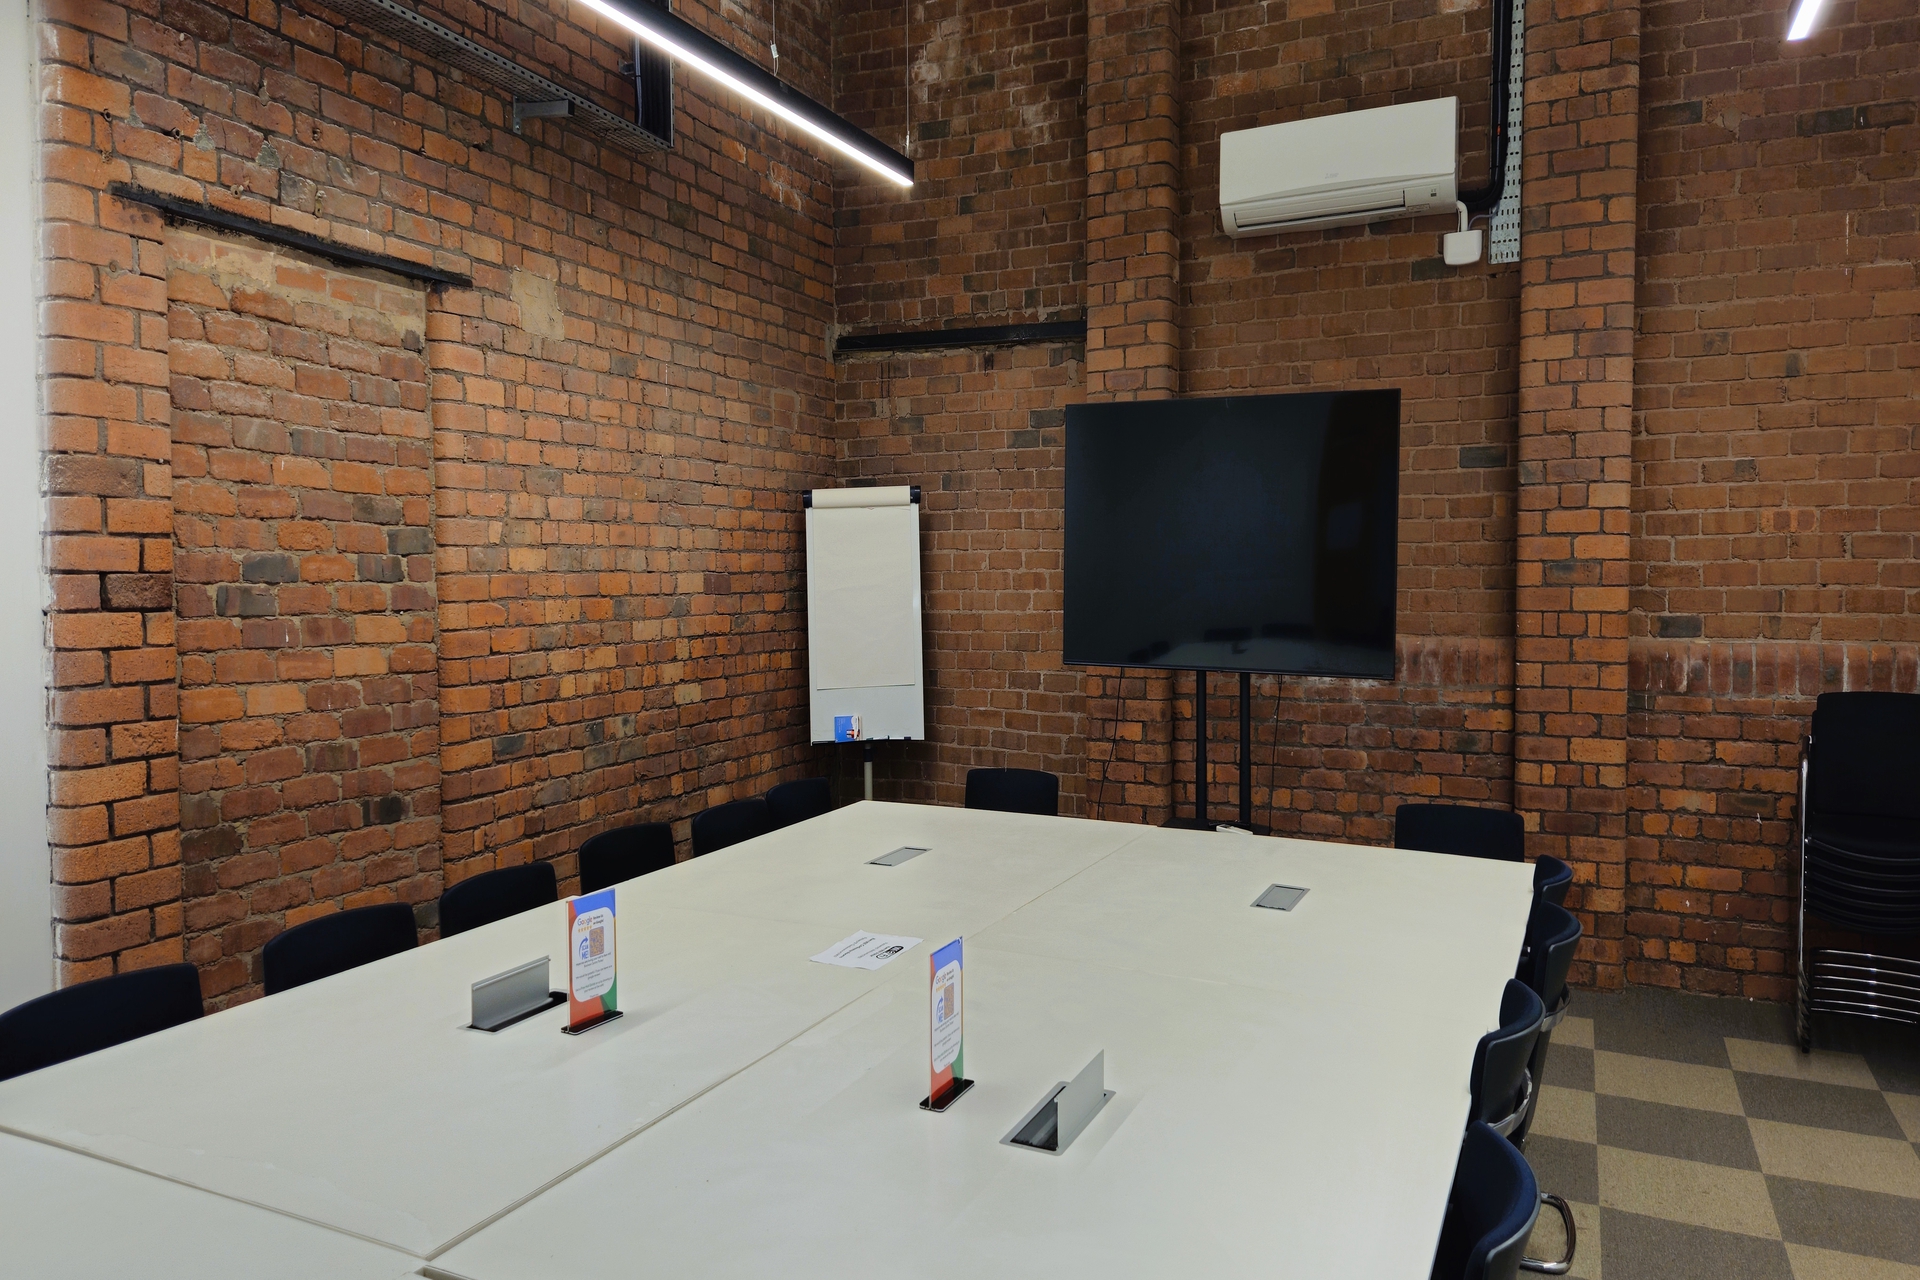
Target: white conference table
(363, 1103)
(1291, 1087)
(67, 1217)
(1290, 1091)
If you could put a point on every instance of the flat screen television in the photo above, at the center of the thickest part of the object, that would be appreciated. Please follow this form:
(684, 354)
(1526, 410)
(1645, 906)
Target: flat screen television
(1246, 533)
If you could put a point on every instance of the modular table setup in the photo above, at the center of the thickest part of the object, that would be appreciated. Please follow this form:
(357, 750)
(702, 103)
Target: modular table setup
(1289, 1087)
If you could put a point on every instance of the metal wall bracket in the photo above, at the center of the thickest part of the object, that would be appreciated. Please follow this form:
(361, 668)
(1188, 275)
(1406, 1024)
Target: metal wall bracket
(547, 109)
(389, 17)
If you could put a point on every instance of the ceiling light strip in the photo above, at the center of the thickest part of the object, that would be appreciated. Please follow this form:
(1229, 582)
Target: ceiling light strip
(687, 44)
(1804, 16)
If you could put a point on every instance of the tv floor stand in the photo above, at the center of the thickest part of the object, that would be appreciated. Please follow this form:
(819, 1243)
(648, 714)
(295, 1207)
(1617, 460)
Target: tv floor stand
(1200, 821)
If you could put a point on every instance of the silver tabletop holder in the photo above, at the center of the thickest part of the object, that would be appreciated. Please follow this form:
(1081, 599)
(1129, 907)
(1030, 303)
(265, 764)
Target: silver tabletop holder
(1067, 1109)
(904, 853)
(513, 996)
(1280, 897)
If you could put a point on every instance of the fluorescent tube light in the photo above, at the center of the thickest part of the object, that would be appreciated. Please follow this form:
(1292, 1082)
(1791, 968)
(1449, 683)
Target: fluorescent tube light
(1803, 19)
(688, 44)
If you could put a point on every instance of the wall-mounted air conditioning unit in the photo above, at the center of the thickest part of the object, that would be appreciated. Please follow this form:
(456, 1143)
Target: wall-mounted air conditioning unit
(1333, 171)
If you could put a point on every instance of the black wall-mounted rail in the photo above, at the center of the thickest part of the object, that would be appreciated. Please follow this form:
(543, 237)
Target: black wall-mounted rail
(995, 335)
(389, 17)
(177, 210)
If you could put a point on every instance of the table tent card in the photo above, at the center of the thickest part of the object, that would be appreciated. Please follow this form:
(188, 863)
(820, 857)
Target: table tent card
(946, 1039)
(593, 968)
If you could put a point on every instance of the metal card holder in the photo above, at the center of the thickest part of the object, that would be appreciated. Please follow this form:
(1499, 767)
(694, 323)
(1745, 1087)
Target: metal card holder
(1065, 1112)
(1280, 897)
(948, 1098)
(905, 853)
(513, 996)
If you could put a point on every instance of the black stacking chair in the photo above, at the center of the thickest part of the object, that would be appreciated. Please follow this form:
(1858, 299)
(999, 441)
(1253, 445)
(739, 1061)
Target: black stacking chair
(1859, 855)
(90, 1016)
(623, 853)
(792, 802)
(1460, 828)
(730, 823)
(1490, 1213)
(1014, 791)
(1553, 935)
(333, 944)
(495, 895)
(1551, 879)
(1502, 1088)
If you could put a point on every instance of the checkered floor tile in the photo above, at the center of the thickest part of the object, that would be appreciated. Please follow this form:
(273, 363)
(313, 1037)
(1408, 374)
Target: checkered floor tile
(1695, 1142)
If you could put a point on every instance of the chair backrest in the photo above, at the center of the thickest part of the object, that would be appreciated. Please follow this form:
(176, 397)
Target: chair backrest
(1553, 934)
(730, 823)
(1459, 828)
(792, 802)
(1490, 1211)
(623, 853)
(1866, 754)
(333, 944)
(1551, 879)
(495, 895)
(96, 1015)
(1014, 791)
(1499, 1079)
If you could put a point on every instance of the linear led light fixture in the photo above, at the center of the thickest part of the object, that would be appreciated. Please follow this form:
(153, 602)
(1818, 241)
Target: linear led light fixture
(686, 43)
(1803, 19)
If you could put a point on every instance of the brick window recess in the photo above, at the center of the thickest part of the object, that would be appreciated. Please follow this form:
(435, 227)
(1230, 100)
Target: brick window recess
(305, 590)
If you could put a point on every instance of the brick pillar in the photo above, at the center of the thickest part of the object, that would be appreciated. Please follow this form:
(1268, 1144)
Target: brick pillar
(113, 820)
(1576, 404)
(1133, 329)
(1133, 199)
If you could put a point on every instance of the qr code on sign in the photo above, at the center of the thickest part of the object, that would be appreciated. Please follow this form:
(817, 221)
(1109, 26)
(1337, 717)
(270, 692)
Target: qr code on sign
(596, 941)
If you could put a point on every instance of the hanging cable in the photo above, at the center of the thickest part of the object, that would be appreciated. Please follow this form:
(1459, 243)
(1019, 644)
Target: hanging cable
(773, 43)
(906, 76)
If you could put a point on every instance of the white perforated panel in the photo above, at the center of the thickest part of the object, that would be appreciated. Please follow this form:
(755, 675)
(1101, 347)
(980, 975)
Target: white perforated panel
(1505, 241)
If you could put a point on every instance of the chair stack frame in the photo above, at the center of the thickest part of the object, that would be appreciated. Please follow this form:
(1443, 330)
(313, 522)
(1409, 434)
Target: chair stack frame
(1830, 980)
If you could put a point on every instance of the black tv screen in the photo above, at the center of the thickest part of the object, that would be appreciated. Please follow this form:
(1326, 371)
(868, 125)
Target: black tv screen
(1248, 533)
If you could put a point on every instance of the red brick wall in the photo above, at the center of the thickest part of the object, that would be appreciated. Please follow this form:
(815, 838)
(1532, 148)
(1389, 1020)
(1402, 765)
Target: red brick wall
(982, 435)
(1776, 468)
(1686, 419)
(993, 230)
(303, 572)
(622, 409)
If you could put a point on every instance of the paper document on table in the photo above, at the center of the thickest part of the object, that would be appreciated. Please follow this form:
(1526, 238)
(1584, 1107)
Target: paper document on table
(865, 950)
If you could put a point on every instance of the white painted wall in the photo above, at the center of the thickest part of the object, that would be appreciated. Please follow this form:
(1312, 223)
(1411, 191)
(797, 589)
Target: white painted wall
(26, 930)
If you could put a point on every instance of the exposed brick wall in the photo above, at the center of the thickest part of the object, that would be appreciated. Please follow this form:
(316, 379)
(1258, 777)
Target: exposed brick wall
(114, 820)
(623, 410)
(1777, 464)
(626, 405)
(993, 230)
(303, 572)
(981, 433)
(1576, 393)
(1775, 496)
(1712, 870)
(1133, 199)
(1332, 759)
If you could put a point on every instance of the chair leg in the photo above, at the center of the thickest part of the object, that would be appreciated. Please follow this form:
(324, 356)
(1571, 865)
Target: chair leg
(1559, 1266)
(1802, 980)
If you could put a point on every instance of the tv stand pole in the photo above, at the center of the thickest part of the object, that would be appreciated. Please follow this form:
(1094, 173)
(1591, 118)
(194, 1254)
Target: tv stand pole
(1201, 803)
(1200, 750)
(1246, 750)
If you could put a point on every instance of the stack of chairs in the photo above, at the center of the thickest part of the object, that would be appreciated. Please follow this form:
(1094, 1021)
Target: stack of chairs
(1859, 855)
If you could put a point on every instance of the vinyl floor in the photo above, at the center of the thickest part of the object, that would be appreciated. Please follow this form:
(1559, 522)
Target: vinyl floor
(1696, 1142)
